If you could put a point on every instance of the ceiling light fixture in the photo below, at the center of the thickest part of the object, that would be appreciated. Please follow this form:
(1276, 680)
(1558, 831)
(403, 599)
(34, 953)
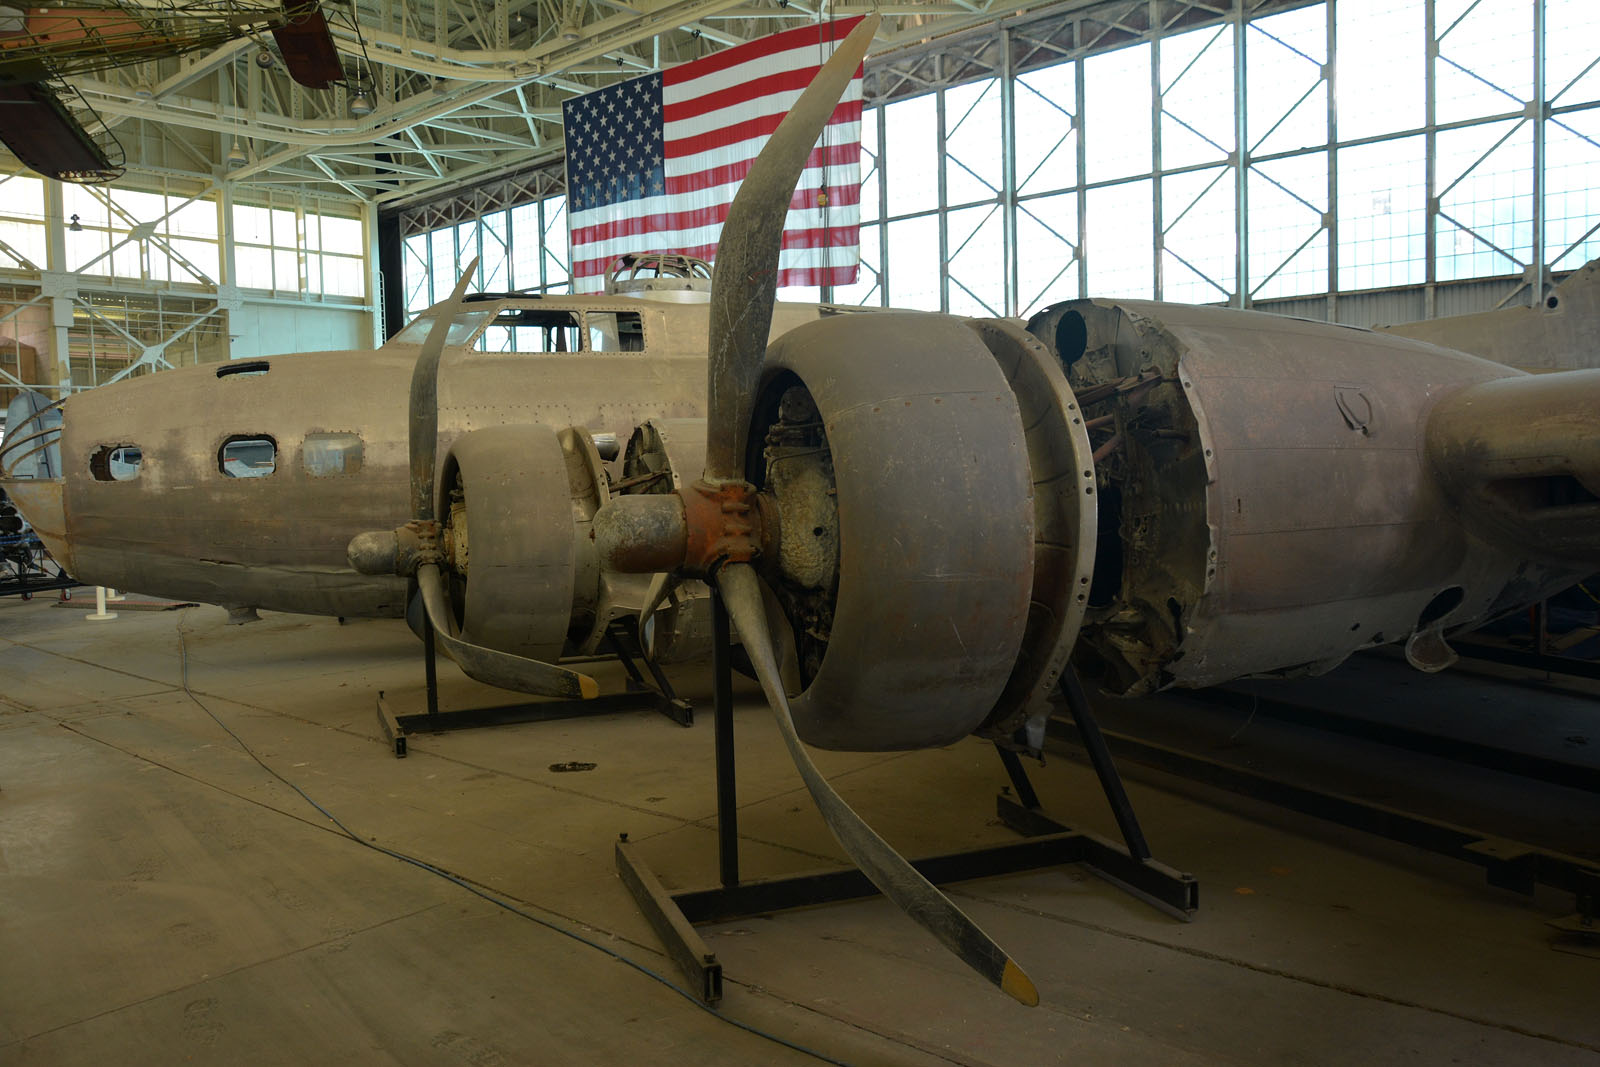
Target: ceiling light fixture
(571, 22)
(236, 157)
(75, 226)
(144, 91)
(360, 104)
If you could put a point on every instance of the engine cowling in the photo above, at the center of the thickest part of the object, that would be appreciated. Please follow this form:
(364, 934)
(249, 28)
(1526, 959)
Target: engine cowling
(524, 577)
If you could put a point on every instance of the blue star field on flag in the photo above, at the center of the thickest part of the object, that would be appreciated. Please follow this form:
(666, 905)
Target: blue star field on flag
(614, 144)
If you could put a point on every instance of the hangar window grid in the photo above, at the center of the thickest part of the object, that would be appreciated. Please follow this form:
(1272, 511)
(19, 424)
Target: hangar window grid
(1211, 130)
(157, 234)
(1377, 194)
(22, 223)
(299, 245)
(116, 335)
(519, 248)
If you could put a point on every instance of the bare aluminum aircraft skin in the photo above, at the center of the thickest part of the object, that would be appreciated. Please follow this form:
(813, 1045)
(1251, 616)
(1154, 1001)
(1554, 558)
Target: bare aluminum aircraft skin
(189, 526)
(1274, 493)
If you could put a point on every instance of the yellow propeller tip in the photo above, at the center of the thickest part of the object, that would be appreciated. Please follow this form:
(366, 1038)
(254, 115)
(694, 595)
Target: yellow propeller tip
(588, 688)
(1018, 985)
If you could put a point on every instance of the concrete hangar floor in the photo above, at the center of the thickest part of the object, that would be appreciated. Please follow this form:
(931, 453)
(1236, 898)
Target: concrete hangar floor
(164, 898)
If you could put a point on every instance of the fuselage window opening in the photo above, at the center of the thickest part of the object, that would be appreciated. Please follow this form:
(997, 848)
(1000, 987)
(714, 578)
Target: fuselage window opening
(616, 331)
(248, 456)
(116, 463)
(325, 455)
(248, 368)
(535, 329)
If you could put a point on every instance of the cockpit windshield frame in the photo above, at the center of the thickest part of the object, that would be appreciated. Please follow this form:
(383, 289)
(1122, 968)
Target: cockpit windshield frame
(464, 328)
(559, 329)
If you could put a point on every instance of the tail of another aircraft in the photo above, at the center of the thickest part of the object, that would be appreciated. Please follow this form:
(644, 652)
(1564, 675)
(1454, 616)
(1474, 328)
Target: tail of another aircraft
(1562, 333)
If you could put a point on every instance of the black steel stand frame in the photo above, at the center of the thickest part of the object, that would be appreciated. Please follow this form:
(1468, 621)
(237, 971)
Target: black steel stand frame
(1046, 843)
(1506, 864)
(24, 556)
(622, 640)
(1539, 657)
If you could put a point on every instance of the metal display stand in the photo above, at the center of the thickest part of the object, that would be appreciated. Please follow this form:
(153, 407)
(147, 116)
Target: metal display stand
(24, 570)
(1543, 654)
(1046, 843)
(1506, 864)
(622, 639)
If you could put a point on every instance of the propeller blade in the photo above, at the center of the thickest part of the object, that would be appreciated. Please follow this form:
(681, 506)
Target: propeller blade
(744, 279)
(497, 668)
(661, 587)
(431, 583)
(888, 870)
(424, 429)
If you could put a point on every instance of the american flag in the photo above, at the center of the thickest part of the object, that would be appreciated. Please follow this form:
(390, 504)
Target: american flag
(654, 162)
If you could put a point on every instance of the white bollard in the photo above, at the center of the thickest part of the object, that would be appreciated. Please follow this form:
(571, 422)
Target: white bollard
(114, 597)
(100, 612)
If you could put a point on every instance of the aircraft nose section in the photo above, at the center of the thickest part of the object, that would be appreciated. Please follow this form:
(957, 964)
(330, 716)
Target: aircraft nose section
(43, 503)
(30, 469)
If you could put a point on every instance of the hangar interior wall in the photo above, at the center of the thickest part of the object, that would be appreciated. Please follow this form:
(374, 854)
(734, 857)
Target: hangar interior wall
(269, 329)
(104, 283)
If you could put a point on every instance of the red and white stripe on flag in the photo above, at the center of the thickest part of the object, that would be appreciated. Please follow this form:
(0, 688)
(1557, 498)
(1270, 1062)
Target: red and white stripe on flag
(715, 116)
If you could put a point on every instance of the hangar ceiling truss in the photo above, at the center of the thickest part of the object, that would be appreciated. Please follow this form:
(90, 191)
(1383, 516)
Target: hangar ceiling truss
(460, 91)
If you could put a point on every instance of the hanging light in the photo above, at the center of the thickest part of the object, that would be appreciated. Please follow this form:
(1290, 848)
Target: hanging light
(236, 157)
(360, 104)
(75, 226)
(572, 21)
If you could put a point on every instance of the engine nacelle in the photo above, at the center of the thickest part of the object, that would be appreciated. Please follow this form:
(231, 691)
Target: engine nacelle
(1269, 503)
(522, 568)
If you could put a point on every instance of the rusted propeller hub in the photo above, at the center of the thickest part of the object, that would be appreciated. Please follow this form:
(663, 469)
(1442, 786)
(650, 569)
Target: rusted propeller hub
(727, 523)
(691, 532)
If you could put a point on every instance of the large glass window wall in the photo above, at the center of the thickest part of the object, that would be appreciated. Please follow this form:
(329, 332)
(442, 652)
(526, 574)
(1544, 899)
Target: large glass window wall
(522, 248)
(1268, 153)
(297, 245)
(1208, 165)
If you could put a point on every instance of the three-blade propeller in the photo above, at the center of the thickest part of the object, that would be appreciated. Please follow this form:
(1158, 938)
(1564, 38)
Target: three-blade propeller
(743, 290)
(379, 552)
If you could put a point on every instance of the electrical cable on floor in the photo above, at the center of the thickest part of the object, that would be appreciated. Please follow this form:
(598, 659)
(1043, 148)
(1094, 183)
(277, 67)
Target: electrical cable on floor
(183, 654)
(1255, 703)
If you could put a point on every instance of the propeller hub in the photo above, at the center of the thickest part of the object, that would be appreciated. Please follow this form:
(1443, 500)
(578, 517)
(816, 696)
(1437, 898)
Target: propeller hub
(691, 532)
(728, 522)
(400, 551)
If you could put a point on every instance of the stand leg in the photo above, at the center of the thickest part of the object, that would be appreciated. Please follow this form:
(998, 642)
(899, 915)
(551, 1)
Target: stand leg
(430, 668)
(614, 635)
(1048, 844)
(623, 638)
(1019, 777)
(727, 797)
(1104, 768)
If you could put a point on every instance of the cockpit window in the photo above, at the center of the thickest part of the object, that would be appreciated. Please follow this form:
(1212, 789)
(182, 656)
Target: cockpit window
(616, 331)
(533, 330)
(327, 454)
(462, 327)
(247, 368)
(116, 463)
(248, 456)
